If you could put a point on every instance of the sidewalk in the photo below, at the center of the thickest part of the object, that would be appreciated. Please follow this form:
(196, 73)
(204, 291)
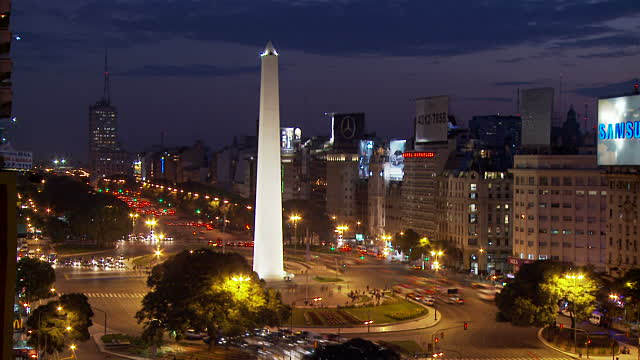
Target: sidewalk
(633, 355)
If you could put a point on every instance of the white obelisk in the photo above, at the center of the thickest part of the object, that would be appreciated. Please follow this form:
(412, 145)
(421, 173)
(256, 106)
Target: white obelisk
(267, 253)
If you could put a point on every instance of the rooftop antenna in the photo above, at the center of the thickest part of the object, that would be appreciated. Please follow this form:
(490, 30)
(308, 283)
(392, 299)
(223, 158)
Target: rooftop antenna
(586, 117)
(105, 96)
(518, 101)
(560, 110)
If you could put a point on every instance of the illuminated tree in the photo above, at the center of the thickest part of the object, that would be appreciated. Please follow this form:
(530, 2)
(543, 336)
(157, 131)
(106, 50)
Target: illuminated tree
(578, 289)
(60, 322)
(524, 301)
(34, 279)
(208, 290)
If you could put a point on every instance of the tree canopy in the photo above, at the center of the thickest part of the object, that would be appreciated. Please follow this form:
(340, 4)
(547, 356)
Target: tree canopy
(77, 211)
(538, 288)
(577, 288)
(207, 291)
(34, 279)
(411, 244)
(60, 322)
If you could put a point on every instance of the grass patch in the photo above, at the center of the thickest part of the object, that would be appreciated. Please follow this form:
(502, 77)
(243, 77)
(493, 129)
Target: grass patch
(380, 314)
(407, 347)
(115, 338)
(327, 279)
(355, 316)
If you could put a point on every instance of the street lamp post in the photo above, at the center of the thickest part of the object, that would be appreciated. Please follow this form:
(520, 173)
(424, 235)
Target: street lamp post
(574, 324)
(105, 318)
(436, 255)
(368, 323)
(151, 224)
(295, 218)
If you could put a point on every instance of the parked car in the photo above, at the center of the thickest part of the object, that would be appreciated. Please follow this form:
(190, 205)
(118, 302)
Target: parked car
(194, 335)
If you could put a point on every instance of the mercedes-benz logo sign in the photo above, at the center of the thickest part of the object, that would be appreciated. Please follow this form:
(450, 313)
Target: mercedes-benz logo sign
(348, 127)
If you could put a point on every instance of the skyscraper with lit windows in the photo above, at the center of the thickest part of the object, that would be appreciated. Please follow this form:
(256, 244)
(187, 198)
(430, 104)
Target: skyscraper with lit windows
(106, 157)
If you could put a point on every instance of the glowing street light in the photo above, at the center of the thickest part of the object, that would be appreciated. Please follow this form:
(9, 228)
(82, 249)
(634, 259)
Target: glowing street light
(295, 218)
(436, 255)
(151, 224)
(368, 323)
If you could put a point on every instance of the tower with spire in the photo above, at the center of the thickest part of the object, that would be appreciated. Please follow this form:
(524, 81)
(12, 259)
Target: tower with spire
(106, 156)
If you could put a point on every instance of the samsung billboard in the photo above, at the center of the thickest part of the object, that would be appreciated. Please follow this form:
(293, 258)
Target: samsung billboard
(619, 131)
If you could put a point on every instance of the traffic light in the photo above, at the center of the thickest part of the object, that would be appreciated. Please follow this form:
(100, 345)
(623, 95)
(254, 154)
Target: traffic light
(588, 341)
(466, 325)
(426, 258)
(361, 257)
(198, 211)
(436, 340)
(442, 334)
(160, 200)
(333, 248)
(561, 326)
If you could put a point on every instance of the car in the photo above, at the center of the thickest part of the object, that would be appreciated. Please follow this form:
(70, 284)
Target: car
(455, 300)
(416, 297)
(194, 335)
(429, 301)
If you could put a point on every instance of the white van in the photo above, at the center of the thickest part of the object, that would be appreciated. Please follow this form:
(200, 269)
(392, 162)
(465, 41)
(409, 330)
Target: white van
(596, 318)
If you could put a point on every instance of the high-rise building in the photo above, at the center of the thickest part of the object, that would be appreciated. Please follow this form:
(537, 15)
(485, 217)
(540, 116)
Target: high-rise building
(536, 108)
(559, 208)
(499, 136)
(478, 218)
(623, 212)
(106, 157)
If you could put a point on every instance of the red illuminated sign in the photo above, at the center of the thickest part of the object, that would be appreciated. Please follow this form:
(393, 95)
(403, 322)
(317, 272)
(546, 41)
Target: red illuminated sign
(429, 154)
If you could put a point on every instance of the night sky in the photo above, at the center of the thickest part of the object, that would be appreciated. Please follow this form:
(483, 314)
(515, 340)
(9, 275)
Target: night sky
(191, 67)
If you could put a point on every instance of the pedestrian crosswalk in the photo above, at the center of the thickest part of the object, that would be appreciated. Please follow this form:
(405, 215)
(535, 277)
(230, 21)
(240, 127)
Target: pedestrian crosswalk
(115, 295)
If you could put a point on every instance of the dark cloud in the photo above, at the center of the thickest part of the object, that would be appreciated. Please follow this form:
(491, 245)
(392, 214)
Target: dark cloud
(199, 70)
(515, 83)
(510, 61)
(355, 27)
(490, 98)
(610, 54)
(614, 41)
(608, 90)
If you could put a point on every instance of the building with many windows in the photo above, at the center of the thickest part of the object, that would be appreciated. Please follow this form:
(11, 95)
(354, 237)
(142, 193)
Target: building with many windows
(623, 217)
(106, 157)
(478, 217)
(560, 210)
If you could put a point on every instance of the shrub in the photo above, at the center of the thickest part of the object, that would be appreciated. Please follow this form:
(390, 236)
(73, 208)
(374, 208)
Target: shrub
(407, 314)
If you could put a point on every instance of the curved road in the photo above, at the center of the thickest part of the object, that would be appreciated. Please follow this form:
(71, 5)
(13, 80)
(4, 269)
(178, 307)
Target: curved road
(119, 292)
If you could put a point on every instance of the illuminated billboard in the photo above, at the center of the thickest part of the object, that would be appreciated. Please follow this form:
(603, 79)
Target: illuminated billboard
(288, 138)
(365, 152)
(432, 119)
(619, 131)
(395, 170)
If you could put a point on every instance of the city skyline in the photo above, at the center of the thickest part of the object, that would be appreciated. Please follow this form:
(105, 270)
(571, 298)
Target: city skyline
(210, 78)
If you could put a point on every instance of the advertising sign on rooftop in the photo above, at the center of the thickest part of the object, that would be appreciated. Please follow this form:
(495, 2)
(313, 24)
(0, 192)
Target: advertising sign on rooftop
(395, 170)
(432, 119)
(619, 131)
